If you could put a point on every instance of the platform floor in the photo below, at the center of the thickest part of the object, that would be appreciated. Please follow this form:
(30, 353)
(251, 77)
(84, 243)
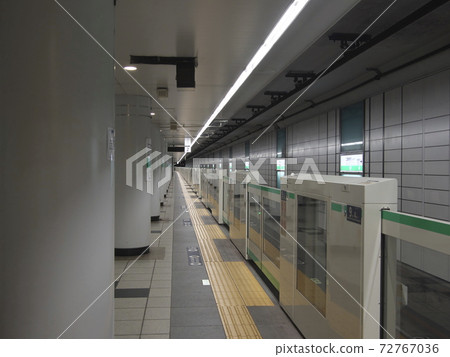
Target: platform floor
(194, 283)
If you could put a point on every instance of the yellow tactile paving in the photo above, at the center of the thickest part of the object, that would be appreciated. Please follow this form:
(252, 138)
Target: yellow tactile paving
(214, 231)
(238, 323)
(252, 292)
(227, 284)
(202, 212)
(209, 251)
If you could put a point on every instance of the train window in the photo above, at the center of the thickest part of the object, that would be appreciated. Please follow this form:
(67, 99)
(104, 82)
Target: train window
(271, 232)
(312, 251)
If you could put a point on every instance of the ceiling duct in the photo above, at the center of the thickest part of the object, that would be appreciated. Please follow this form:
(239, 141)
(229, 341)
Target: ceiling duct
(185, 76)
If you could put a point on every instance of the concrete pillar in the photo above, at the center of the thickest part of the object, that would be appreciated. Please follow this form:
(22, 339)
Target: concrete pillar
(132, 200)
(56, 181)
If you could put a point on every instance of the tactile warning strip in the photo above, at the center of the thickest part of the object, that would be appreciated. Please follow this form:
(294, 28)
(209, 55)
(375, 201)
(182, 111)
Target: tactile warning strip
(252, 292)
(231, 291)
(238, 323)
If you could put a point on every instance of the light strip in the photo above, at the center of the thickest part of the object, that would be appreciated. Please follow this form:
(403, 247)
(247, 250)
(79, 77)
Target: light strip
(351, 144)
(182, 157)
(288, 17)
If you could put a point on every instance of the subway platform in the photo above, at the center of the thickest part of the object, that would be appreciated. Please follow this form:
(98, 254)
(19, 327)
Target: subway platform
(194, 284)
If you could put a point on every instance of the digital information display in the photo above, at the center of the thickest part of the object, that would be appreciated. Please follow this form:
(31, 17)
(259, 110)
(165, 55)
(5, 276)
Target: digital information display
(281, 165)
(352, 163)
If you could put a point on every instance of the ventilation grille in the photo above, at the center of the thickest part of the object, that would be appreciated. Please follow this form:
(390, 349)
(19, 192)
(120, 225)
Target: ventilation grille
(162, 93)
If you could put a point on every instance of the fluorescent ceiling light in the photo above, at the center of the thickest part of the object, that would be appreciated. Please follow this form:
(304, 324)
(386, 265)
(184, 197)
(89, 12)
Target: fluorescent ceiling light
(130, 68)
(288, 17)
(351, 144)
(182, 157)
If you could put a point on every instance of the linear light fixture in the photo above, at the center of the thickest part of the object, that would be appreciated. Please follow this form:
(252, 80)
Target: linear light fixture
(285, 21)
(130, 68)
(351, 144)
(182, 157)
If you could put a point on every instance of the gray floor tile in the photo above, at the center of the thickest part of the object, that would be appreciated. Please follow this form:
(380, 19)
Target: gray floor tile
(142, 277)
(127, 327)
(157, 313)
(268, 315)
(227, 250)
(193, 299)
(125, 303)
(188, 279)
(139, 270)
(278, 331)
(161, 284)
(195, 316)
(152, 327)
(162, 277)
(161, 270)
(160, 336)
(160, 292)
(126, 337)
(129, 314)
(143, 264)
(134, 284)
(158, 302)
(131, 293)
(199, 332)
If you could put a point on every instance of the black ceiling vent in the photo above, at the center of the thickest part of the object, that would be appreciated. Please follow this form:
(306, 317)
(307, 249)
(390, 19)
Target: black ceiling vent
(176, 149)
(185, 67)
(185, 75)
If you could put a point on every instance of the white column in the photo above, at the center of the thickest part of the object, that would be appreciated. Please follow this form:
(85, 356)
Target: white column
(56, 182)
(155, 135)
(132, 198)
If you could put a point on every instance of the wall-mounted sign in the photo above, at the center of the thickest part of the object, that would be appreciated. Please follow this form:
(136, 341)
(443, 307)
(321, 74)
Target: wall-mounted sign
(354, 214)
(281, 164)
(352, 163)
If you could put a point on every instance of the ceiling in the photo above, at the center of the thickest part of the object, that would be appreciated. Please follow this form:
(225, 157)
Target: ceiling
(223, 35)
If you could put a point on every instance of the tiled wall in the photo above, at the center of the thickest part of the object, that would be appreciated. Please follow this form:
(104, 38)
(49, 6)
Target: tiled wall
(315, 138)
(407, 137)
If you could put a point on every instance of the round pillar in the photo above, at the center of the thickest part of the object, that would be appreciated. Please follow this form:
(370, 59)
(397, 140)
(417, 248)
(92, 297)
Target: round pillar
(155, 136)
(57, 180)
(133, 199)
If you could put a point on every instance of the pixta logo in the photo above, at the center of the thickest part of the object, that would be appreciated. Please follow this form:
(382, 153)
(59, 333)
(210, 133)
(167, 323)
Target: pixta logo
(254, 170)
(148, 159)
